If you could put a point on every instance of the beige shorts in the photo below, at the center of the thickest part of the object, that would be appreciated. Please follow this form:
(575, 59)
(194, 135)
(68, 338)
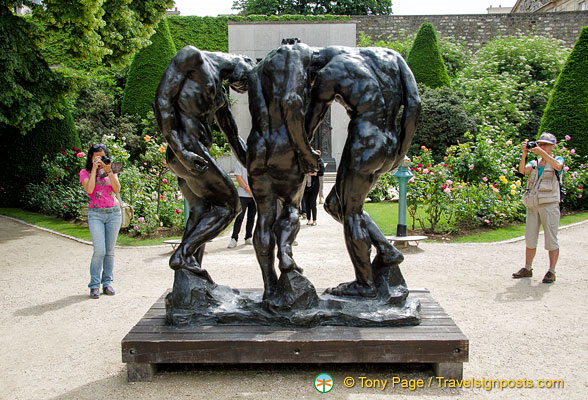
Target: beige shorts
(548, 216)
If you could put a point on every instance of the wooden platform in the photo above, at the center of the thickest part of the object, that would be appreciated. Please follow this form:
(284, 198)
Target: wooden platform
(437, 340)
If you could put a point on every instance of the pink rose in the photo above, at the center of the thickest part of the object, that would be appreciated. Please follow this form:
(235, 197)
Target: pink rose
(487, 221)
(80, 155)
(485, 179)
(425, 171)
(572, 151)
(449, 182)
(568, 137)
(141, 219)
(447, 190)
(165, 181)
(411, 180)
(471, 166)
(178, 211)
(566, 168)
(136, 228)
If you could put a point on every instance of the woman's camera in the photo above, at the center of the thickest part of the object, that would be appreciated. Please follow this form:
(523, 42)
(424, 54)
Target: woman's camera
(530, 145)
(106, 160)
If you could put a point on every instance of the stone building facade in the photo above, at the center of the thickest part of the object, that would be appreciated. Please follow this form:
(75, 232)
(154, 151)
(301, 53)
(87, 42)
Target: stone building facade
(532, 6)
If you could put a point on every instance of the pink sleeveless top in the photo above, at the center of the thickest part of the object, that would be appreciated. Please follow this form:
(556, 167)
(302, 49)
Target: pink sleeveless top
(103, 195)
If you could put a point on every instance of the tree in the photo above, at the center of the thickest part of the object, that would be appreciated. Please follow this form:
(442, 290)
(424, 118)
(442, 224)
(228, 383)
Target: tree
(567, 109)
(425, 59)
(94, 31)
(22, 156)
(316, 7)
(146, 70)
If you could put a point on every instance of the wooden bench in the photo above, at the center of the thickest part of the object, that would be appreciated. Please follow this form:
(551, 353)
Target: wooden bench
(437, 340)
(404, 241)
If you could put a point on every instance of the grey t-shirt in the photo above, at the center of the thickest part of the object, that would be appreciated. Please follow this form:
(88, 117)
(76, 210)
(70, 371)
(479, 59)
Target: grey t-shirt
(242, 172)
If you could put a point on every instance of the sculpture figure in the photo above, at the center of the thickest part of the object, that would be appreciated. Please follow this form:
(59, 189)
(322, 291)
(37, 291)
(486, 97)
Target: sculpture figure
(372, 84)
(278, 153)
(189, 98)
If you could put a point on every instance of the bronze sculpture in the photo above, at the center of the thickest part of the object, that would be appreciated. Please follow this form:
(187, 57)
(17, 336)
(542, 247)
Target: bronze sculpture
(372, 84)
(289, 92)
(189, 97)
(278, 153)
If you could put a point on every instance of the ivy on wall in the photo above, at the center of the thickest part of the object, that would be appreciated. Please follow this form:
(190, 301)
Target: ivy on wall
(211, 33)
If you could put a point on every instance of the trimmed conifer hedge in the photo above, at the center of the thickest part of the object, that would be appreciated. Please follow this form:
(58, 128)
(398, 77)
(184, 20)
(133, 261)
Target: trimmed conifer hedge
(425, 59)
(566, 112)
(22, 155)
(146, 71)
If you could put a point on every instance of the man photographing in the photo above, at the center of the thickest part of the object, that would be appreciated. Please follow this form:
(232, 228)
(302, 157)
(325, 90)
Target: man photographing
(541, 199)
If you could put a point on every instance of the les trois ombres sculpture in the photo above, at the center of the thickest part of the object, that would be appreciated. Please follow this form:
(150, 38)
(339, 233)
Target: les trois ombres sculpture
(289, 91)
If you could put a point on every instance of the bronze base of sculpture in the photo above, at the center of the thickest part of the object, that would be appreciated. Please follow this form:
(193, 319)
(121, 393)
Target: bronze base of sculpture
(196, 301)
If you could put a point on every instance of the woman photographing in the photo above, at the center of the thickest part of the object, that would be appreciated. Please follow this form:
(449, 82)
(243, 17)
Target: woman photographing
(104, 217)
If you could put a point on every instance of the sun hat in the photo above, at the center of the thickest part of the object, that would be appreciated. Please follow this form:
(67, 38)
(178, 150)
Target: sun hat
(547, 137)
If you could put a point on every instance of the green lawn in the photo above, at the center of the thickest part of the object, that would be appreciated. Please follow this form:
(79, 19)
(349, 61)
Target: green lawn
(514, 231)
(386, 216)
(72, 229)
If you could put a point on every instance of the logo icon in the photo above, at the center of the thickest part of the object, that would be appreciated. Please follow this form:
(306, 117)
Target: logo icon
(323, 383)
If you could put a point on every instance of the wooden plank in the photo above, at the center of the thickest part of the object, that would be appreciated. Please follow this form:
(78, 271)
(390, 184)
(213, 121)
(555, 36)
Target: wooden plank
(436, 340)
(214, 352)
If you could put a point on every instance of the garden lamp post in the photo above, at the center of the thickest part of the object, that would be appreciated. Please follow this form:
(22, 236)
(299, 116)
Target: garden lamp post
(403, 175)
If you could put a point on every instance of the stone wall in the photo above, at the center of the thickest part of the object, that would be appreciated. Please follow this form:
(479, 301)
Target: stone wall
(476, 29)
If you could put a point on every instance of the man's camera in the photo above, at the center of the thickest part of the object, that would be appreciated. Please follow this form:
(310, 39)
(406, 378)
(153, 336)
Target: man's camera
(531, 145)
(106, 160)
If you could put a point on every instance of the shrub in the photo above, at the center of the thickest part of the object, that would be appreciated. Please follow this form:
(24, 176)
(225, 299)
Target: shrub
(475, 184)
(442, 121)
(383, 189)
(567, 110)
(22, 155)
(146, 70)
(508, 81)
(60, 193)
(425, 59)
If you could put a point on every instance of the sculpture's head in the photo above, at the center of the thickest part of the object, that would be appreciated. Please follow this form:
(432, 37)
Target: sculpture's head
(239, 79)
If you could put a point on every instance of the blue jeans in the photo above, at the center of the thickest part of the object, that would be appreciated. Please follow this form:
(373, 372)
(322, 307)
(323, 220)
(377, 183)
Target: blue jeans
(104, 224)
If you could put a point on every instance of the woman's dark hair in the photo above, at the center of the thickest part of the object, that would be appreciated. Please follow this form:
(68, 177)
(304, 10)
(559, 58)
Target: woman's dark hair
(94, 149)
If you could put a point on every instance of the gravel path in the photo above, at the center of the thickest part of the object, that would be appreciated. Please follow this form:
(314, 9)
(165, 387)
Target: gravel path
(58, 343)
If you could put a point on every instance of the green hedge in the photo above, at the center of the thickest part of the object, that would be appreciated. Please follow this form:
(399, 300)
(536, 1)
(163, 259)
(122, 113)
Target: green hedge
(146, 70)
(566, 112)
(22, 155)
(425, 59)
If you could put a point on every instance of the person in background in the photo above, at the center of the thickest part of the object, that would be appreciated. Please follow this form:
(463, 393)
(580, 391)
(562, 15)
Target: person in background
(104, 217)
(543, 189)
(311, 191)
(247, 205)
